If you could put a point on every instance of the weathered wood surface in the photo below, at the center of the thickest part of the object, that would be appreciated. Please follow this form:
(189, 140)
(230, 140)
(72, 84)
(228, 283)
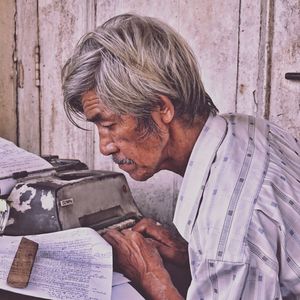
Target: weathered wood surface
(20, 270)
(248, 57)
(213, 34)
(285, 94)
(8, 116)
(61, 24)
(28, 82)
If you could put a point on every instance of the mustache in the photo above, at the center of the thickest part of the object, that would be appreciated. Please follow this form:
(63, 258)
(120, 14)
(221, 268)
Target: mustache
(122, 161)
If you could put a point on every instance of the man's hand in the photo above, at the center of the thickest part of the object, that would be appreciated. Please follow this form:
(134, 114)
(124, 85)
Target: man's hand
(139, 260)
(171, 248)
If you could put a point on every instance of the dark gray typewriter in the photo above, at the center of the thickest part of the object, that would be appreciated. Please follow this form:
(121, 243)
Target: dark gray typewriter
(72, 197)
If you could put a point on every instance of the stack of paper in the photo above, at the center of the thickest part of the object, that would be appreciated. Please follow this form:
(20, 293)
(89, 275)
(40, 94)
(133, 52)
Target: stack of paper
(71, 264)
(14, 160)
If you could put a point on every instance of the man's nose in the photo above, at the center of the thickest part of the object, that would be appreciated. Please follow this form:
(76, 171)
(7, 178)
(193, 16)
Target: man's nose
(107, 146)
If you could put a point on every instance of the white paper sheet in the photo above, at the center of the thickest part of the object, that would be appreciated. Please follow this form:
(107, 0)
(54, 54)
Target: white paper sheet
(70, 264)
(6, 185)
(125, 292)
(121, 289)
(14, 159)
(118, 279)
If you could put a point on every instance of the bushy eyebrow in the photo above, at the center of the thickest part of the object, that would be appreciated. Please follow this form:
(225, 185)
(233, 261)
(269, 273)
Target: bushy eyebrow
(99, 118)
(95, 118)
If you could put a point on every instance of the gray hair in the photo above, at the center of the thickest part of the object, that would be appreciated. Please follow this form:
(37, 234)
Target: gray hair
(129, 62)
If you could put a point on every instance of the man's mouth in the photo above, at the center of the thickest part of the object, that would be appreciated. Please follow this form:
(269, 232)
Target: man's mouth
(124, 161)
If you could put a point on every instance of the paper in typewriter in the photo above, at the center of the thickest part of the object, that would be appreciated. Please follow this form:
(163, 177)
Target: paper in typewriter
(14, 159)
(70, 264)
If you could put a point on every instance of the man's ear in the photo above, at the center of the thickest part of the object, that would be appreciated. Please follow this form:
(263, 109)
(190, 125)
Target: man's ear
(167, 110)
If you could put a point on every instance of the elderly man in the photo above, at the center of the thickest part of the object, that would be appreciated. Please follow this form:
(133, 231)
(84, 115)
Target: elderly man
(238, 207)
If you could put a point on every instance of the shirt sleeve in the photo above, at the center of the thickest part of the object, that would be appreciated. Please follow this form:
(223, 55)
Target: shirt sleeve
(225, 280)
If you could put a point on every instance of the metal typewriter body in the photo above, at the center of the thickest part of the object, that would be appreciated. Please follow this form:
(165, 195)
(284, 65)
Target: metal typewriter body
(70, 199)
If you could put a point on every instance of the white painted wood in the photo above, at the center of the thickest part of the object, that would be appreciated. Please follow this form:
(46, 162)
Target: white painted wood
(264, 55)
(285, 94)
(211, 27)
(248, 57)
(61, 24)
(167, 11)
(104, 11)
(27, 89)
(8, 117)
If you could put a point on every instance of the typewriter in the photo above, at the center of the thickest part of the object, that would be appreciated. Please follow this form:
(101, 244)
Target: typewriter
(71, 197)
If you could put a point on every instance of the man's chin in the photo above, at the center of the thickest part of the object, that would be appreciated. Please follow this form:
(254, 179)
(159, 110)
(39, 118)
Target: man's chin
(140, 176)
(135, 172)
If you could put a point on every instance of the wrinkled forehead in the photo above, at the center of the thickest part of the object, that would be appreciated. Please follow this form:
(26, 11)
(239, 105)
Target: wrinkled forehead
(89, 96)
(93, 107)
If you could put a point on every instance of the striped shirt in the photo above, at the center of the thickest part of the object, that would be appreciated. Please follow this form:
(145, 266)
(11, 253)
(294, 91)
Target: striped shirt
(239, 210)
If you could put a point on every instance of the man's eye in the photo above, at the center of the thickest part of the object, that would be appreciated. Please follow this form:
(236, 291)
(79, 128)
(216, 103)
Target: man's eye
(106, 125)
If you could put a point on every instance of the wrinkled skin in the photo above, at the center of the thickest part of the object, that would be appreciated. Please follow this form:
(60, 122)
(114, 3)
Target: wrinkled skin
(140, 157)
(138, 255)
(130, 251)
(174, 249)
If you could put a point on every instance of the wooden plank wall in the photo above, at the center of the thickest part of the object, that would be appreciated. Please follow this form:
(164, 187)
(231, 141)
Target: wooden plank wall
(285, 57)
(244, 48)
(28, 83)
(61, 24)
(8, 107)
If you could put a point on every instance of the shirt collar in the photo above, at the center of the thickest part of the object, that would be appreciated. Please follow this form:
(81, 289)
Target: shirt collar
(196, 173)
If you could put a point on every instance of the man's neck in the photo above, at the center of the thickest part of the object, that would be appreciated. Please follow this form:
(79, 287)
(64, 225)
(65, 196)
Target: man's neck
(182, 141)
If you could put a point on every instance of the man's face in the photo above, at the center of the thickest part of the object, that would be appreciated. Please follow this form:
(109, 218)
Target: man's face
(119, 136)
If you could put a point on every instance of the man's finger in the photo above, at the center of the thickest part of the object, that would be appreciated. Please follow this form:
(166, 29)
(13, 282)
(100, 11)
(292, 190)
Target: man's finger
(113, 237)
(143, 224)
(174, 255)
(148, 226)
